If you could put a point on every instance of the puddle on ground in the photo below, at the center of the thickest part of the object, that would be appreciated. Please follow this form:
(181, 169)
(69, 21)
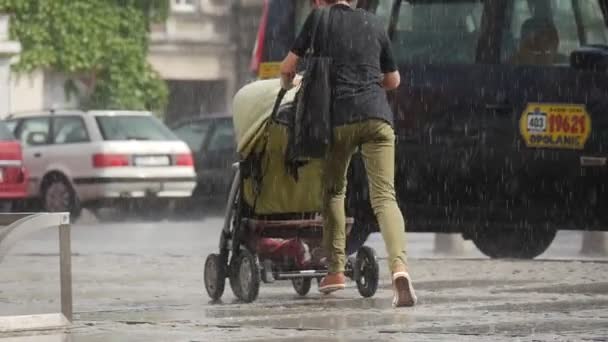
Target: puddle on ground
(321, 305)
(308, 339)
(514, 329)
(143, 316)
(594, 288)
(547, 307)
(339, 321)
(434, 285)
(38, 338)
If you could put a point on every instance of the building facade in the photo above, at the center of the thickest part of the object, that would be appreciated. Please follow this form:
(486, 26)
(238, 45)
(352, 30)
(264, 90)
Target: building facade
(194, 54)
(202, 51)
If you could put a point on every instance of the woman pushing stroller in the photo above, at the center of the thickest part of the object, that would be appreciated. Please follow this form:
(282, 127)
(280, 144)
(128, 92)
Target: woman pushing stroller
(363, 69)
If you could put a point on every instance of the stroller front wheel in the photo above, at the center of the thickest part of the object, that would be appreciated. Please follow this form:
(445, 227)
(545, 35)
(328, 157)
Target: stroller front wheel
(215, 276)
(301, 285)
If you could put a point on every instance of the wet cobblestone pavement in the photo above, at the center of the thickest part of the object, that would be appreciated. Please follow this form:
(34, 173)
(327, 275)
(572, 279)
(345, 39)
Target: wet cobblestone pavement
(144, 283)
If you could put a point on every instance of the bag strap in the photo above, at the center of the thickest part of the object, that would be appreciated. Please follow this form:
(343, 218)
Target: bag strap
(277, 103)
(325, 21)
(315, 29)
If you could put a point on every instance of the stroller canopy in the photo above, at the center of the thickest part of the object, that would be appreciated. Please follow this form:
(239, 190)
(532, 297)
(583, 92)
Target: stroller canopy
(252, 108)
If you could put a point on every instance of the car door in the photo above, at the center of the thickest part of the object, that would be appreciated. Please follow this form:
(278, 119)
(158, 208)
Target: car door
(219, 153)
(555, 110)
(194, 133)
(35, 137)
(443, 49)
(69, 153)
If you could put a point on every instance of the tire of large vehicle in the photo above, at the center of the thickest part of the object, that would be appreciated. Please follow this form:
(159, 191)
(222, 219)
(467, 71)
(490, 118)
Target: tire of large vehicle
(301, 285)
(366, 271)
(519, 243)
(245, 276)
(59, 196)
(215, 276)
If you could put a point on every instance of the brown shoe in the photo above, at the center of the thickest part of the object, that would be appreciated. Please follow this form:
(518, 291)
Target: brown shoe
(332, 282)
(403, 289)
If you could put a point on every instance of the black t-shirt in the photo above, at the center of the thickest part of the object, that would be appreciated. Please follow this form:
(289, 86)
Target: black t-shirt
(361, 52)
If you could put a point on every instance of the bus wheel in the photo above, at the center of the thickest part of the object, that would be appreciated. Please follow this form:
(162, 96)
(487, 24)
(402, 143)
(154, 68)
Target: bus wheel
(517, 243)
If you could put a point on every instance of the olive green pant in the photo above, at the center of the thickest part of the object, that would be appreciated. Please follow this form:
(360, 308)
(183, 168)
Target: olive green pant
(377, 141)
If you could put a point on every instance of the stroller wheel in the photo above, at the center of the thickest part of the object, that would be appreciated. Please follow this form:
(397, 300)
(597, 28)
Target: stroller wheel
(301, 285)
(215, 276)
(245, 276)
(366, 272)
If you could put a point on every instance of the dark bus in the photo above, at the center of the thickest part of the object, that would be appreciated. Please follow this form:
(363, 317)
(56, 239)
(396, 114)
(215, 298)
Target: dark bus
(501, 118)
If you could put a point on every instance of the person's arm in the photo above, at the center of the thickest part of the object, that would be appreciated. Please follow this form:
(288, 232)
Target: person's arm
(392, 78)
(288, 70)
(300, 46)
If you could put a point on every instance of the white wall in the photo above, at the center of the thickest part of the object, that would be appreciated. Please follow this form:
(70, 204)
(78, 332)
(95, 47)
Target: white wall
(27, 91)
(8, 49)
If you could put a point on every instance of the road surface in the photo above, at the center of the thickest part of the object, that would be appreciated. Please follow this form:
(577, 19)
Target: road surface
(143, 282)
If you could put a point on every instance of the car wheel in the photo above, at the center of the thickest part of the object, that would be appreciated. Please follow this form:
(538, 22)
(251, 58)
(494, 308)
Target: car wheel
(517, 243)
(59, 196)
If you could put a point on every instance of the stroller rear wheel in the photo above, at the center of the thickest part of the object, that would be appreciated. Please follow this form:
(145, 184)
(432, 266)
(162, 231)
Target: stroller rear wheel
(245, 276)
(215, 276)
(366, 271)
(302, 285)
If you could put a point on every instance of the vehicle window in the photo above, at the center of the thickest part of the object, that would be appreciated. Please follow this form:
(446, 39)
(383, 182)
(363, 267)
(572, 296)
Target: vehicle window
(11, 125)
(5, 133)
(223, 137)
(69, 130)
(436, 32)
(303, 9)
(593, 22)
(193, 133)
(133, 127)
(34, 131)
(545, 32)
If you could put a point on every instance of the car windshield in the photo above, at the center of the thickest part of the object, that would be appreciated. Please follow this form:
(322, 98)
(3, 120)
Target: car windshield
(438, 32)
(133, 127)
(5, 134)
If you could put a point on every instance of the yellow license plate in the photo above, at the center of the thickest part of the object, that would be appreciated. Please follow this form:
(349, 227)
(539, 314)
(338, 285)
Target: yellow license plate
(555, 126)
(269, 70)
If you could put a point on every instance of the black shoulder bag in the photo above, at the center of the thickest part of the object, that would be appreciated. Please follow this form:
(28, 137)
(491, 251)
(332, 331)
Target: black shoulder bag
(312, 128)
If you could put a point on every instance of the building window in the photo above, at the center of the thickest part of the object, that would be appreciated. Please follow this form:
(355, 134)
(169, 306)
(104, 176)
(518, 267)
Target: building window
(183, 5)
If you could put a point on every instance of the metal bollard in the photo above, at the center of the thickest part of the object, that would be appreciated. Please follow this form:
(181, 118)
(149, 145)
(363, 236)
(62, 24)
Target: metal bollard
(452, 244)
(594, 243)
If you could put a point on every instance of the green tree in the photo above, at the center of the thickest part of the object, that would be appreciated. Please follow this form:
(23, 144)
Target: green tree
(102, 44)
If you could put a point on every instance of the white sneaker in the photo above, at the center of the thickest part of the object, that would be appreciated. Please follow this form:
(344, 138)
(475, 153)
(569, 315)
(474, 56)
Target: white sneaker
(403, 290)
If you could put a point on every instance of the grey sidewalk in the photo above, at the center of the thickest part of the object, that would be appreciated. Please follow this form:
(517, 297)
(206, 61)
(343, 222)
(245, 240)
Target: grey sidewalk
(143, 282)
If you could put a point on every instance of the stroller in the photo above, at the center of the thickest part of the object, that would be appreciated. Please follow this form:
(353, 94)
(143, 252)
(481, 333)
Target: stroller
(272, 227)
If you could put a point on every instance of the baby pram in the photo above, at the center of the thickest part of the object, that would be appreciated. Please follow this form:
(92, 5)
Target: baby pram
(273, 209)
